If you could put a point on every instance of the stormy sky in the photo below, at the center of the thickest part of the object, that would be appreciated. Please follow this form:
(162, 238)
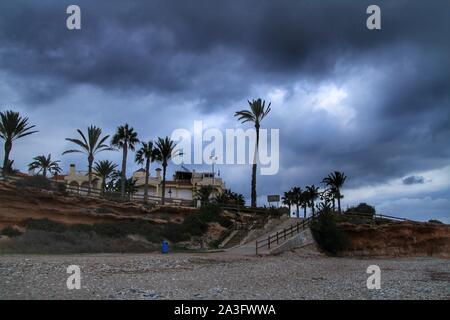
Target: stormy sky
(372, 103)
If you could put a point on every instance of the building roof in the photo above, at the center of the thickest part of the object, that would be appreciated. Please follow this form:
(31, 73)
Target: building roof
(59, 177)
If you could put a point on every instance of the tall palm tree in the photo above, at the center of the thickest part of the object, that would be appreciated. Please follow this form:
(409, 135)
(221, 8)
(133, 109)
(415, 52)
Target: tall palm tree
(12, 127)
(148, 154)
(305, 199)
(313, 193)
(125, 138)
(90, 146)
(336, 180)
(45, 164)
(287, 200)
(297, 200)
(165, 147)
(104, 170)
(256, 114)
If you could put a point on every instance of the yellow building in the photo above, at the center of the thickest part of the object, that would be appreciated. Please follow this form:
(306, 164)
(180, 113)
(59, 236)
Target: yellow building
(80, 179)
(183, 185)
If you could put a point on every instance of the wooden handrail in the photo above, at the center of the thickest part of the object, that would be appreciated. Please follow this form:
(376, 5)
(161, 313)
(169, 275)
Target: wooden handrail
(285, 233)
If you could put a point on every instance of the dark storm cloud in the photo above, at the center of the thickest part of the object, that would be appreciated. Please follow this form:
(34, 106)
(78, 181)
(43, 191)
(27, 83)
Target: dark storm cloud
(216, 53)
(413, 180)
(169, 46)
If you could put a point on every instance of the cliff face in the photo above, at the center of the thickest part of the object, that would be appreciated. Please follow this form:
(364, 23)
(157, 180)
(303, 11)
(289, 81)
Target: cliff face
(398, 239)
(16, 205)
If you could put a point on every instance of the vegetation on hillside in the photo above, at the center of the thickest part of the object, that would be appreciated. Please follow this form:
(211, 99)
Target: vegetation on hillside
(327, 233)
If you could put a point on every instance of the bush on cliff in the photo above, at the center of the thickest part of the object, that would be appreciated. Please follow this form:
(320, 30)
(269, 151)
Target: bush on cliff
(10, 232)
(362, 208)
(37, 182)
(327, 233)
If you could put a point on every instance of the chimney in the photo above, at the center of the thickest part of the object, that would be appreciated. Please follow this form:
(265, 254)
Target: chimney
(158, 173)
(72, 169)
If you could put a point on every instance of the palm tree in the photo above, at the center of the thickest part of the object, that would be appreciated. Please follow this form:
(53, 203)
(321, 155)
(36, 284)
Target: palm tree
(287, 200)
(328, 196)
(313, 193)
(204, 193)
(45, 164)
(10, 168)
(256, 114)
(125, 138)
(90, 146)
(165, 147)
(104, 170)
(336, 180)
(297, 199)
(130, 187)
(12, 127)
(305, 199)
(149, 154)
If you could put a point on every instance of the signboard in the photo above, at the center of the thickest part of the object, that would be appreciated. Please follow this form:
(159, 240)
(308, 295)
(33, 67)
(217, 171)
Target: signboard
(273, 198)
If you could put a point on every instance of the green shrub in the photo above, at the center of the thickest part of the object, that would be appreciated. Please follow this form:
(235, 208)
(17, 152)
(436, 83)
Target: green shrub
(45, 225)
(327, 233)
(362, 208)
(38, 182)
(175, 232)
(38, 241)
(278, 212)
(435, 221)
(211, 212)
(193, 225)
(62, 188)
(10, 232)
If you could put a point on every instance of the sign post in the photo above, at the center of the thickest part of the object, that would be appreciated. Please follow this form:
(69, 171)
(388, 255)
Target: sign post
(273, 198)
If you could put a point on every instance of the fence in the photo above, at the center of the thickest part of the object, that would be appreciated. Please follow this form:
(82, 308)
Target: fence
(109, 195)
(380, 216)
(283, 234)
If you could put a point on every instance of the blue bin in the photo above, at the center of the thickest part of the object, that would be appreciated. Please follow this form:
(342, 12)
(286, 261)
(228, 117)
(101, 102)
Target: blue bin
(165, 247)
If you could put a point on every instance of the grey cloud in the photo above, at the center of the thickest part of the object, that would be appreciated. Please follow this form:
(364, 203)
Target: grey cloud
(213, 55)
(413, 180)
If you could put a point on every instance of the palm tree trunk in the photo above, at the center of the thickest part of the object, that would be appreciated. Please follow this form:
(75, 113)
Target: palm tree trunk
(90, 161)
(8, 147)
(254, 167)
(289, 215)
(304, 212)
(334, 204)
(339, 202)
(164, 183)
(147, 170)
(44, 173)
(298, 211)
(312, 207)
(124, 168)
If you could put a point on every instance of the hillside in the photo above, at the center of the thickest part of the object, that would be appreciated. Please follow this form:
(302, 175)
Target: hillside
(17, 205)
(397, 239)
